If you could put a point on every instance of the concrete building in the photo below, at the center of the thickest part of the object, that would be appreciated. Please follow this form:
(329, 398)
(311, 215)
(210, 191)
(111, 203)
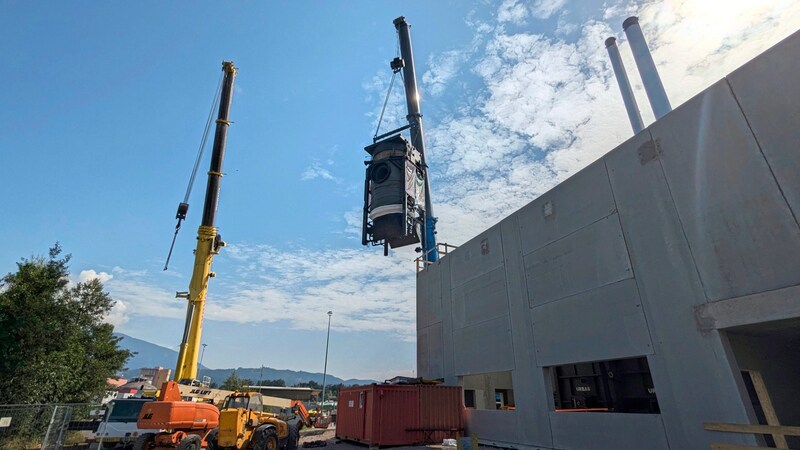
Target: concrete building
(652, 292)
(156, 375)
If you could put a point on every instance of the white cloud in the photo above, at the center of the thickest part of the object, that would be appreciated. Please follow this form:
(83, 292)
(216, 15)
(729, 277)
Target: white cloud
(118, 314)
(316, 170)
(549, 106)
(512, 11)
(87, 275)
(442, 69)
(543, 9)
(365, 290)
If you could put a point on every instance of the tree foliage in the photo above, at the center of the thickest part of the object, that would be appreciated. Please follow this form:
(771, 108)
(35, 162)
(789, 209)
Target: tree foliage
(280, 382)
(233, 382)
(55, 346)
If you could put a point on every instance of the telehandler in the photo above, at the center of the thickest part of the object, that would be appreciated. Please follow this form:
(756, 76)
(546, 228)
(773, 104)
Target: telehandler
(244, 424)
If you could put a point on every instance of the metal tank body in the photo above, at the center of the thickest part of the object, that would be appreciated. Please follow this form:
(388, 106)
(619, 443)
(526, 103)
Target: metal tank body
(394, 193)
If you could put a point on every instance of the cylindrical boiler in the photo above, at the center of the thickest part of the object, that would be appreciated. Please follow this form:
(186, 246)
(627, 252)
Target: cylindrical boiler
(394, 194)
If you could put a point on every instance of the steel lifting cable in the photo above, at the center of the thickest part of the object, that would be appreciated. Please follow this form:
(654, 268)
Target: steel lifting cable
(385, 102)
(183, 208)
(389, 91)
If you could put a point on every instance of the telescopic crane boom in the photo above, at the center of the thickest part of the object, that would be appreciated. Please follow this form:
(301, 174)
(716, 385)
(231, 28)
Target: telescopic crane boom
(430, 252)
(208, 241)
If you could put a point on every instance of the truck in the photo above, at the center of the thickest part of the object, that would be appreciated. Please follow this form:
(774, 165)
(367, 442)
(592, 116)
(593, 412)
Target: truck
(119, 427)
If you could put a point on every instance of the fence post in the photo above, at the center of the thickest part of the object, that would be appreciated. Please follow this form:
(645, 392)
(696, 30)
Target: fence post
(49, 427)
(59, 443)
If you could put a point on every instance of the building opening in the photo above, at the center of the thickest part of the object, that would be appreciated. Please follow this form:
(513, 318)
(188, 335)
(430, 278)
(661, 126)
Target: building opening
(493, 391)
(619, 386)
(767, 357)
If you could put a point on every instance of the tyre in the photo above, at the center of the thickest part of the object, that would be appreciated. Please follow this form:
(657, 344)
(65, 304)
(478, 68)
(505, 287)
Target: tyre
(294, 437)
(144, 441)
(190, 442)
(211, 439)
(266, 439)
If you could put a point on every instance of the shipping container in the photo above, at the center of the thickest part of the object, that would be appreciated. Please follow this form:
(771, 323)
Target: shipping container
(394, 414)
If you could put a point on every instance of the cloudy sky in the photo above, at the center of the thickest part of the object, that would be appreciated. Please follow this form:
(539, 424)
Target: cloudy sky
(104, 107)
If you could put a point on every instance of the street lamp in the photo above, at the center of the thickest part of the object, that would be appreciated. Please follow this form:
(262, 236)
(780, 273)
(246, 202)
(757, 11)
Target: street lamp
(325, 370)
(200, 363)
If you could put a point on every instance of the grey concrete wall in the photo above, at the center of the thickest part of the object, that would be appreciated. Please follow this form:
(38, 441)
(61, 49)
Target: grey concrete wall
(651, 251)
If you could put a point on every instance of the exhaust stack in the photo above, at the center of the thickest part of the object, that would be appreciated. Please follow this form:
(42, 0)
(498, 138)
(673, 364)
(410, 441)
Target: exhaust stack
(647, 68)
(624, 86)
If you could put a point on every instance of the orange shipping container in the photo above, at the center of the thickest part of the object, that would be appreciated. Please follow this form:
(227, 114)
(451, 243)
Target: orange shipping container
(394, 414)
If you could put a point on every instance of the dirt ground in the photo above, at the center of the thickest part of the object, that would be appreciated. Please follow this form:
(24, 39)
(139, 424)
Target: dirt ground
(329, 436)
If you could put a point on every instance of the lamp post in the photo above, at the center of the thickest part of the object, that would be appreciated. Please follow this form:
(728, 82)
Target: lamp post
(200, 363)
(325, 369)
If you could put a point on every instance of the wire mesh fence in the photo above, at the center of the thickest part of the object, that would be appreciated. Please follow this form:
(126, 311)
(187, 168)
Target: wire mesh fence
(48, 427)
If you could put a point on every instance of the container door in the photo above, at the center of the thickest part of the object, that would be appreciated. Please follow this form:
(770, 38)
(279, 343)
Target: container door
(365, 403)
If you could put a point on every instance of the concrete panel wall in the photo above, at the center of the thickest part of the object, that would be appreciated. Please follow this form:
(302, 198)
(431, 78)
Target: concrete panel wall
(429, 300)
(772, 109)
(480, 299)
(583, 199)
(604, 323)
(534, 399)
(618, 260)
(485, 347)
(480, 255)
(733, 214)
(591, 257)
(612, 431)
(692, 379)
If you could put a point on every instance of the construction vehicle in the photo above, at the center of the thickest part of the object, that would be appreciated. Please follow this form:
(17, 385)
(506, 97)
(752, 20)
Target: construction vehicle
(187, 424)
(244, 424)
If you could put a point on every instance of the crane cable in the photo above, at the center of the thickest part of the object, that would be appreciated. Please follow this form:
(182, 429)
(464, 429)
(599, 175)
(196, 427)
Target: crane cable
(389, 91)
(183, 207)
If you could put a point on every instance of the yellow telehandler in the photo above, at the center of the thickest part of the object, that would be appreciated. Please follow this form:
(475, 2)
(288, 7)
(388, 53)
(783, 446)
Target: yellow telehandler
(244, 424)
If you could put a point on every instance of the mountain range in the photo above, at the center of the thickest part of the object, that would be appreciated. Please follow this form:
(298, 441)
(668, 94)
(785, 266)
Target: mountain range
(147, 354)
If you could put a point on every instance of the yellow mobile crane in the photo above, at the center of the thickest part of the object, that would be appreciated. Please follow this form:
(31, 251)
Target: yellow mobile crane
(188, 424)
(208, 241)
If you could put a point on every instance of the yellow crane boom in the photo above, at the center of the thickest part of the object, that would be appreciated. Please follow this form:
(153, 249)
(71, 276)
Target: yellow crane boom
(208, 241)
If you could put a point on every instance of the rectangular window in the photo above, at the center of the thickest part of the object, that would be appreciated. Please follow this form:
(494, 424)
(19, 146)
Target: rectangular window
(493, 391)
(620, 385)
(469, 398)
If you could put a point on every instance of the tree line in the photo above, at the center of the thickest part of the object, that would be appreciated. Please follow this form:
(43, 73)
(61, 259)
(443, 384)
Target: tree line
(235, 383)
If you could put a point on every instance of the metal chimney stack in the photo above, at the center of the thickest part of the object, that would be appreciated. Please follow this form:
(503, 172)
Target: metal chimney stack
(624, 86)
(647, 68)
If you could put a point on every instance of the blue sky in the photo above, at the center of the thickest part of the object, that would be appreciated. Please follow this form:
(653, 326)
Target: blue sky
(104, 106)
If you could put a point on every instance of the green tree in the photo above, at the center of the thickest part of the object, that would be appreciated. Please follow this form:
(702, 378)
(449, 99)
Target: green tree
(233, 382)
(55, 345)
(280, 382)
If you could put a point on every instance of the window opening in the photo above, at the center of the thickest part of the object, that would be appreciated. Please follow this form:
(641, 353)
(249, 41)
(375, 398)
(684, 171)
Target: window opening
(621, 386)
(489, 391)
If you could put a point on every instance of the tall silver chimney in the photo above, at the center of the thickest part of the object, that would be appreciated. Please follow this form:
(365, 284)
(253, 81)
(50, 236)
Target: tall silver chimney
(624, 86)
(647, 68)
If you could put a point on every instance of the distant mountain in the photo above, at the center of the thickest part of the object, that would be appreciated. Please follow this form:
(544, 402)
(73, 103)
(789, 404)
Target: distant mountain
(146, 354)
(152, 355)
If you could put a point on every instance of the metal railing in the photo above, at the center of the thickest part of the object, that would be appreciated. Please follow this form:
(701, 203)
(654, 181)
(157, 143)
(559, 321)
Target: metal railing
(442, 248)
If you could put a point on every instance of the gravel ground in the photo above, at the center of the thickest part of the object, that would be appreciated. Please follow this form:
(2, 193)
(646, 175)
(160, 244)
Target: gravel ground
(329, 436)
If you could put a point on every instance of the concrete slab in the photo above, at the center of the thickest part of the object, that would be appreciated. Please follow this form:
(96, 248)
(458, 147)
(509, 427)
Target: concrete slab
(583, 199)
(591, 257)
(733, 214)
(604, 323)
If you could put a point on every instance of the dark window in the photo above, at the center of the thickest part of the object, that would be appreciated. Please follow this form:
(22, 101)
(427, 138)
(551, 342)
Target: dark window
(469, 398)
(125, 410)
(621, 386)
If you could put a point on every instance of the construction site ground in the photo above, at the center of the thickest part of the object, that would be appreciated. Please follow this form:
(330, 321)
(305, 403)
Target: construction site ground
(329, 437)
